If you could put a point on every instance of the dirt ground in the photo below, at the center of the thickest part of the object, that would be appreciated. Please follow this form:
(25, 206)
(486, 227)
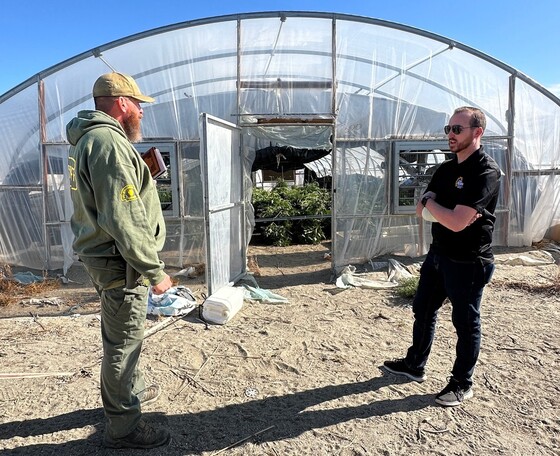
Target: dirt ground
(298, 378)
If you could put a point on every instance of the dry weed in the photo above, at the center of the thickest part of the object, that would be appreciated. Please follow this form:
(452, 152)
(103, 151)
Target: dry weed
(11, 291)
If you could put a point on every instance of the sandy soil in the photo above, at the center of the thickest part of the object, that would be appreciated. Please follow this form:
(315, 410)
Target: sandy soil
(292, 379)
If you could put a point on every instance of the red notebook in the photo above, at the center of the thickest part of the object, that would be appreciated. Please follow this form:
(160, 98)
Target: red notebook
(155, 162)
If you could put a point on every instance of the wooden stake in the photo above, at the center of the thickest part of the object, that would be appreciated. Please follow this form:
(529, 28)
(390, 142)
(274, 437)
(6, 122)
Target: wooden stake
(34, 374)
(243, 440)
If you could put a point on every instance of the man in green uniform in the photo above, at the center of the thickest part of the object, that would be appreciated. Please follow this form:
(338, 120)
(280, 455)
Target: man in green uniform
(119, 230)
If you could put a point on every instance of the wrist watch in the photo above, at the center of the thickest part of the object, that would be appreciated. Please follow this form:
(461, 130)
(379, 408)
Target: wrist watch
(425, 199)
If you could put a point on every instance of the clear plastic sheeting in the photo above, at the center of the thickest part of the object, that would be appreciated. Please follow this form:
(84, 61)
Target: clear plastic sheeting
(375, 92)
(531, 258)
(348, 278)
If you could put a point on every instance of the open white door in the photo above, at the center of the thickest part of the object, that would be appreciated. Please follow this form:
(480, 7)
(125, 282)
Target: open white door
(224, 201)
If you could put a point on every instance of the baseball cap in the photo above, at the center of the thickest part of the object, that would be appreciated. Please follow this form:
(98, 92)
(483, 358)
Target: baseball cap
(119, 85)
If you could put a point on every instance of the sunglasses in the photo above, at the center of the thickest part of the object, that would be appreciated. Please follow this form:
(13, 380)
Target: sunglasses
(456, 129)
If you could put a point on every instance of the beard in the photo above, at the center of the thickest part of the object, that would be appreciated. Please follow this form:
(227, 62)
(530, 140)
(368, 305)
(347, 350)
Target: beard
(131, 126)
(458, 146)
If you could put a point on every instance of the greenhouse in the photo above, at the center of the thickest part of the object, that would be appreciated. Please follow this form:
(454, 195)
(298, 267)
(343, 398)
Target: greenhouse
(355, 101)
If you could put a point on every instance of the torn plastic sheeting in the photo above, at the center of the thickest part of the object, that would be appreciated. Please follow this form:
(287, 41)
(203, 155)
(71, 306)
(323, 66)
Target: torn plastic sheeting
(178, 300)
(27, 277)
(397, 271)
(348, 278)
(260, 294)
(537, 258)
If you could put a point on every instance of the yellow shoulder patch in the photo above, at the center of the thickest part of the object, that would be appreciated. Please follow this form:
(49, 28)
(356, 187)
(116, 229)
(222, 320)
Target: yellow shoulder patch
(129, 193)
(72, 173)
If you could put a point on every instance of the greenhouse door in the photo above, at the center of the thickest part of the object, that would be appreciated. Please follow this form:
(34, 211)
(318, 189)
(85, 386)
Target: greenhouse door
(224, 201)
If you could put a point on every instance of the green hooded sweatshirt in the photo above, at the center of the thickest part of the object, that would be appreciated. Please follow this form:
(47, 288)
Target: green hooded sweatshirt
(117, 210)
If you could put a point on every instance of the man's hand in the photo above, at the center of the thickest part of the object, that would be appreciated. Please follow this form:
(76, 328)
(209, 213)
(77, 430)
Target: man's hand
(474, 218)
(430, 194)
(163, 286)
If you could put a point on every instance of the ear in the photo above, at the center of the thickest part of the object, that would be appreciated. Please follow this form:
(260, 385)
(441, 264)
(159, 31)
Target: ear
(121, 104)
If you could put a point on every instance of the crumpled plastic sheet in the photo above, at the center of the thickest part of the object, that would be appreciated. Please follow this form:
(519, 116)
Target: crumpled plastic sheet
(396, 273)
(348, 278)
(534, 258)
(262, 295)
(27, 277)
(177, 300)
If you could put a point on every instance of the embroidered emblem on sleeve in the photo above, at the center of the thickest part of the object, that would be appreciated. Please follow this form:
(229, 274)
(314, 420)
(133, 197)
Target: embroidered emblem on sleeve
(72, 173)
(129, 193)
(459, 183)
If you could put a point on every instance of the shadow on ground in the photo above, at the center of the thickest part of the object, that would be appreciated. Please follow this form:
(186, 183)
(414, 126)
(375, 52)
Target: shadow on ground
(266, 420)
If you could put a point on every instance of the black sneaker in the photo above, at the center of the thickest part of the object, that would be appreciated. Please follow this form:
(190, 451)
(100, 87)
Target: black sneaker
(149, 395)
(399, 367)
(143, 436)
(454, 394)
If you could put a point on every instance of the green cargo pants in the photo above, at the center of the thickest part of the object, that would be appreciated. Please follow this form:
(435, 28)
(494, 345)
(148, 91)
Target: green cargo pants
(123, 315)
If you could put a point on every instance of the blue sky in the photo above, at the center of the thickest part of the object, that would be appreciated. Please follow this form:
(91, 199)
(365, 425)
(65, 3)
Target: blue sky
(36, 34)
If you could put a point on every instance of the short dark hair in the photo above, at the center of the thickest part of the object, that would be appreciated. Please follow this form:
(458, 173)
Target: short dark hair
(478, 119)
